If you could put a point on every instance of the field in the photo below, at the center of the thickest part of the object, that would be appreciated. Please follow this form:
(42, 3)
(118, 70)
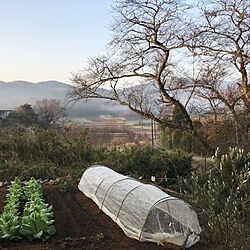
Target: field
(79, 224)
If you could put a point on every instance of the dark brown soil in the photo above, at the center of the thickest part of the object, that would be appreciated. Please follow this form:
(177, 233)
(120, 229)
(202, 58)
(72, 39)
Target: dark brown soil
(76, 217)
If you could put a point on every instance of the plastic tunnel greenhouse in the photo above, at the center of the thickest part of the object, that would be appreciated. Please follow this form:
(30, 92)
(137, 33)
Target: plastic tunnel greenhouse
(143, 211)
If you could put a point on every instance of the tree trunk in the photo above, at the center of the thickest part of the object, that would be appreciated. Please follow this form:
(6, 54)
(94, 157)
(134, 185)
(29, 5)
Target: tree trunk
(236, 127)
(236, 132)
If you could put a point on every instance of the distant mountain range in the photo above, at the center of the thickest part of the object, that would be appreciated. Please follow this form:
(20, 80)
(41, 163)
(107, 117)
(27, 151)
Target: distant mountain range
(13, 94)
(16, 93)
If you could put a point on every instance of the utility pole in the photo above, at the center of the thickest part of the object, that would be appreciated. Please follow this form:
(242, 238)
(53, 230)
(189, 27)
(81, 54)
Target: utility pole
(152, 132)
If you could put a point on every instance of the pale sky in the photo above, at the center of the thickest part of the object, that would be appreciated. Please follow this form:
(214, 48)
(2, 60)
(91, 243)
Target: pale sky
(44, 40)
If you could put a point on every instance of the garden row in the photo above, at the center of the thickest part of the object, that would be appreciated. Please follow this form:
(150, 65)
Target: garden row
(36, 221)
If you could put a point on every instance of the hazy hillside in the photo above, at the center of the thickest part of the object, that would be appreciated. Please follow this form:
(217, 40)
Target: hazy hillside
(14, 94)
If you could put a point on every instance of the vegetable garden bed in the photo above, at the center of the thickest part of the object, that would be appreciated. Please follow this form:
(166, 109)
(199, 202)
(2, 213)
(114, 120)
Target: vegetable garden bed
(79, 224)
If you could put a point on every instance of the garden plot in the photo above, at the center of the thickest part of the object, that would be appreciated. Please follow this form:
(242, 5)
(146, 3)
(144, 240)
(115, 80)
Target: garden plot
(79, 225)
(78, 222)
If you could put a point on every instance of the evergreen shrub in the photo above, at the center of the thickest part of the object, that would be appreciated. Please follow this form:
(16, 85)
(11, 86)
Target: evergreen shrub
(222, 198)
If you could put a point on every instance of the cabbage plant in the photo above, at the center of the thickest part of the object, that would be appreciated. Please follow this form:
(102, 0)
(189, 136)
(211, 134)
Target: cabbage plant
(9, 219)
(37, 220)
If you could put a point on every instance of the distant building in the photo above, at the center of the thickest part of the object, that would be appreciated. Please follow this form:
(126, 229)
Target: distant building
(5, 112)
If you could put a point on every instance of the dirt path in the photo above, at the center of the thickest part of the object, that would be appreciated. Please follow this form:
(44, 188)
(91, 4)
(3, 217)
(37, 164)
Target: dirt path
(76, 217)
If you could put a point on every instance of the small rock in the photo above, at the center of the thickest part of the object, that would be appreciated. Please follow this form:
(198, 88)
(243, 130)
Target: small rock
(39, 181)
(51, 182)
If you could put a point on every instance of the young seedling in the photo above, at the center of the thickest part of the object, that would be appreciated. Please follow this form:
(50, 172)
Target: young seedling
(100, 236)
(68, 238)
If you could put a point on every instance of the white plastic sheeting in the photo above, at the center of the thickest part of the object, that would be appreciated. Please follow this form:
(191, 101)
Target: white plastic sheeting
(143, 211)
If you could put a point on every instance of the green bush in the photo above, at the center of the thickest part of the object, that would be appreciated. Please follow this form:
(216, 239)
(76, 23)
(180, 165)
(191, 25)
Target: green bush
(49, 154)
(66, 186)
(147, 161)
(43, 170)
(45, 154)
(222, 198)
(25, 170)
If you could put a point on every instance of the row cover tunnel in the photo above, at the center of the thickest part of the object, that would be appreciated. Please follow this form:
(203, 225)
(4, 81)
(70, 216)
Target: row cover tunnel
(143, 211)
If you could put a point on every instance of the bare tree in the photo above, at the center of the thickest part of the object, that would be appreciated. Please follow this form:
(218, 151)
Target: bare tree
(221, 40)
(148, 37)
(210, 85)
(49, 111)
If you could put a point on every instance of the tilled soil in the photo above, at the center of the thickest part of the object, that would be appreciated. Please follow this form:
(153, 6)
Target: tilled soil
(78, 220)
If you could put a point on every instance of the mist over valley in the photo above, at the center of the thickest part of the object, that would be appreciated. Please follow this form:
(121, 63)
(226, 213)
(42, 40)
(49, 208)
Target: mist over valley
(13, 94)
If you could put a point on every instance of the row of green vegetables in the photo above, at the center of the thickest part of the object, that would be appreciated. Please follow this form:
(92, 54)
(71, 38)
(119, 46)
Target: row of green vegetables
(36, 221)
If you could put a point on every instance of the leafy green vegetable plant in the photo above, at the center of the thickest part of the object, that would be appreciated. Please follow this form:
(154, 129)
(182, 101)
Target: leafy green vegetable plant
(37, 221)
(9, 219)
(32, 188)
(37, 217)
(10, 225)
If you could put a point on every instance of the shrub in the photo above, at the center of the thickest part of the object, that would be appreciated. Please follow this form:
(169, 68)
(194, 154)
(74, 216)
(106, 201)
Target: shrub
(43, 170)
(222, 198)
(49, 154)
(45, 154)
(66, 186)
(147, 161)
